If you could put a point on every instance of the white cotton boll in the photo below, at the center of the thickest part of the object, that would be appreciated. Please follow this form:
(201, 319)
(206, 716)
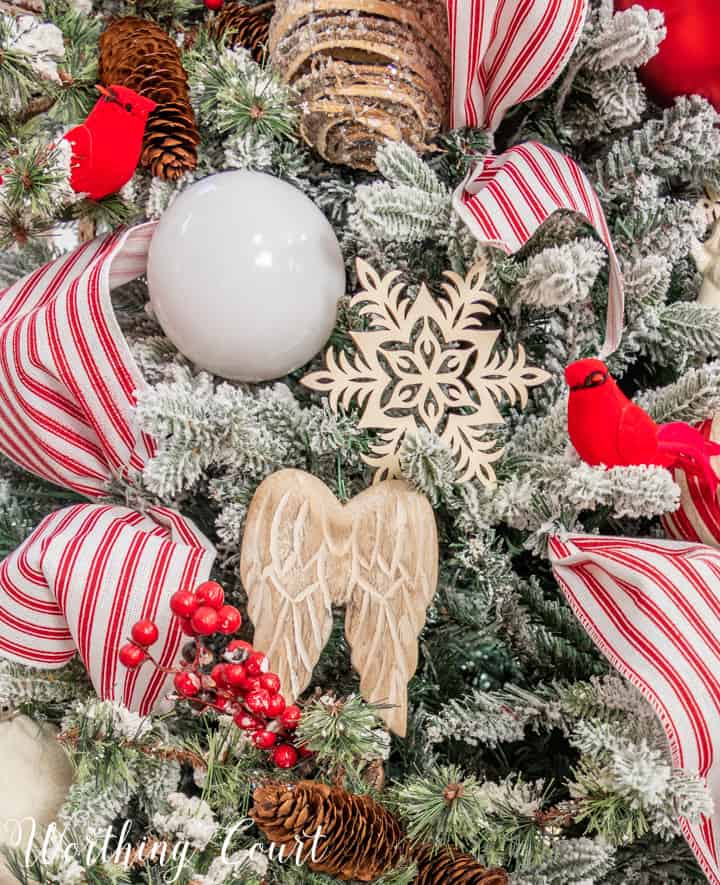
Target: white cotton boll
(189, 819)
(561, 275)
(37, 776)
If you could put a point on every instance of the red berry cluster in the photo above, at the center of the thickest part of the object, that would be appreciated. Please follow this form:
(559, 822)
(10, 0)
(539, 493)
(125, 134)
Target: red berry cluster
(240, 685)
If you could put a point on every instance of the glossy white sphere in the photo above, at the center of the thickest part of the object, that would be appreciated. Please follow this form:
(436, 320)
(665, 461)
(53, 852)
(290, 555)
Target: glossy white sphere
(245, 274)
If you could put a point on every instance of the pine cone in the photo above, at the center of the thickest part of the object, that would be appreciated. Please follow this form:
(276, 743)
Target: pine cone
(139, 54)
(361, 840)
(444, 866)
(241, 25)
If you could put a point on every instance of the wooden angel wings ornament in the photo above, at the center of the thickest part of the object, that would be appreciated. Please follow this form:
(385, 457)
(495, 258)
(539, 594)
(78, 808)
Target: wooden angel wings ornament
(304, 552)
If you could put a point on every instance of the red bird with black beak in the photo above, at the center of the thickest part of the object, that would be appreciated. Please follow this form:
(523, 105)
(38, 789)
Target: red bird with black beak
(607, 428)
(107, 146)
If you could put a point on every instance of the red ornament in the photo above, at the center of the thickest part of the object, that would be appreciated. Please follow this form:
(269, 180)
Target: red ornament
(145, 632)
(205, 621)
(229, 620)
(256, 664)
(607, 428)
(284, 756)
(264, 739)
(270, 682)
(291, 717)
(214, 5)
(210, 593)
(246, 721)
(275, 706)
(107, 146)
(131, 656)
(257, 701)
(687, 62)
(186, 684)
(184, 604)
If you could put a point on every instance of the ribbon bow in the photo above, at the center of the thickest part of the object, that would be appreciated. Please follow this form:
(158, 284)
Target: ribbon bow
(504, 53)
(67, 402)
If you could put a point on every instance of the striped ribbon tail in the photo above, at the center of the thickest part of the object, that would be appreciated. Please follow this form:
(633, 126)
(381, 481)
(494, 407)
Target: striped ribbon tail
(505, 52)
(653, 608)
(67, 376)
(506, 199)
(82, 579)
(698, 516)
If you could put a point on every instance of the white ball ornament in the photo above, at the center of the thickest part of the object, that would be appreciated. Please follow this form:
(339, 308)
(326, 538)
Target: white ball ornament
(245, 274)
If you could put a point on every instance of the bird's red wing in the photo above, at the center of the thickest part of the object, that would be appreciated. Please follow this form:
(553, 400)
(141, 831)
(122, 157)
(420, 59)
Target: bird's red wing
(637, 437)
(81, 170)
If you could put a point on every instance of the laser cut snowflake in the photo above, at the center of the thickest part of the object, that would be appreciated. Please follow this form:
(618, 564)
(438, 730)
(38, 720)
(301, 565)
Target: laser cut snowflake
(427, 362)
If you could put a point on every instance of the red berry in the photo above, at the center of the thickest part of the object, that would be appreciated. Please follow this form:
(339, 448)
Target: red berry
(234, 675)
(256, 664)
(219, 675)
(305, 752)
(270, 682)
(264, 739)
(145, 632)
(249, 683)
(291, 716)
(284, 756)
(246, 721)
(205, 621)
(186, 684)
(220, 703)
(238, 649)
(229, 619)
(276, 705)
(131, 655)
(187, 628)
(214, 4)
(257, 701)
(210, 593)
(183, 603)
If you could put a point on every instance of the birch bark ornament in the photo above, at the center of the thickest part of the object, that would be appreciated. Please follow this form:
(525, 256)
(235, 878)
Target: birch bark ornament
(366, 71)
(303, 552)
(427, 362)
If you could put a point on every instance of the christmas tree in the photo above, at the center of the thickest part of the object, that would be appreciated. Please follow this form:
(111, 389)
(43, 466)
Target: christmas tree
(526, 757)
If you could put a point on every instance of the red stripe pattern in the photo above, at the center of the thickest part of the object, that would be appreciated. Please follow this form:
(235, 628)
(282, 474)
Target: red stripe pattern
(81, 580)
(653, 608)
(505, 52)
(698, 517)
(67, 403)
(67, 396)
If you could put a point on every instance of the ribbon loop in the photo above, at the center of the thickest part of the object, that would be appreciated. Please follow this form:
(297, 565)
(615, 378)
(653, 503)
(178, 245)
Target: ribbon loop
(653, 609)
(82, 579)
(505, 52)
(67, 376)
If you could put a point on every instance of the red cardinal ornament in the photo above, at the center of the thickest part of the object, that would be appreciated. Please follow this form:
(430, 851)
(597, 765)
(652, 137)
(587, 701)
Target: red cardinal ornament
(606, 428)
(106, 147)
(688, 61)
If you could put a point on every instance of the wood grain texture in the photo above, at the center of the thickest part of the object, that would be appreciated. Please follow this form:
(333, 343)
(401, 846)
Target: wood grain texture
(304, 552)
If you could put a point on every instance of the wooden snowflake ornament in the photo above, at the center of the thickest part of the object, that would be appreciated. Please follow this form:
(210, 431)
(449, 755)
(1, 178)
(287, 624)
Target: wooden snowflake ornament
(427, 362)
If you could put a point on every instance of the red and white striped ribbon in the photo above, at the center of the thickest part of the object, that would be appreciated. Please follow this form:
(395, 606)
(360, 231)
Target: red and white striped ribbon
(505, 52)
(698, 516)
(67, 377)
(68, 386)
(81, 580)
(653, 608)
